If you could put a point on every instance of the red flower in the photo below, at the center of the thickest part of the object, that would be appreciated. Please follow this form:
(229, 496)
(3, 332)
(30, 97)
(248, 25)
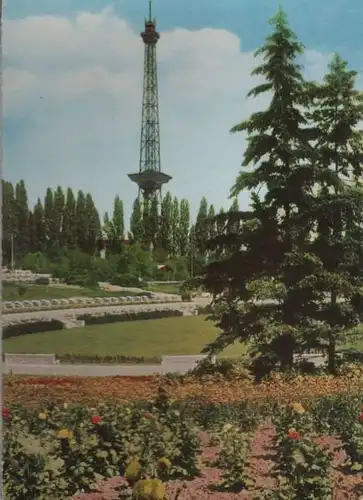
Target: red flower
(96, 419)
(361, 418)
(6, 413)
(149, 416)
(294, 435)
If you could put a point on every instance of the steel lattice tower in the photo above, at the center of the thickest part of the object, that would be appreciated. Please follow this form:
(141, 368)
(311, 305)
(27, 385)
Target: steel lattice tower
(150, 178)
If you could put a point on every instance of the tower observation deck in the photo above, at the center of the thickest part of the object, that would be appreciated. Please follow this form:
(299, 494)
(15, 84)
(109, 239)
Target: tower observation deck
(150, 178)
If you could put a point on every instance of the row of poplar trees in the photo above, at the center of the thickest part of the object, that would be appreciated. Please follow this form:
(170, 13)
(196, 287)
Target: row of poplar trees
(68, 221)
(300, 246)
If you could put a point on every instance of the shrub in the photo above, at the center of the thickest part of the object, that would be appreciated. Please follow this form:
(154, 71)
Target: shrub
(186, 296)
(22, 290)
(127, 280)
(77, 279)
(226, 368)
(117, 359)
(18, 329)
(233, 458)
(89, 319)
(42, 280)
(203, 310)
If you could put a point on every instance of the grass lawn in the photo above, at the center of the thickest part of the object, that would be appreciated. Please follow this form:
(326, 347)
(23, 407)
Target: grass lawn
(149, 339)
(38, 292)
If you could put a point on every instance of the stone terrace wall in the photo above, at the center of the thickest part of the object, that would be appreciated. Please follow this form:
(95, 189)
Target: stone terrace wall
(21, 305)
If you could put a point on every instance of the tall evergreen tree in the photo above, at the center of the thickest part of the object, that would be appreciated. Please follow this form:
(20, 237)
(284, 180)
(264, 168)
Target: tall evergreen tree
(21, 217)
(93, 225)
(175, 226)
(202, 228)
(136, 226)
(48, 216)
(193, 257)
(212, 227)
(39, 230)
(8, 219)
(165, 230)
(270, 241)
(82, 221)
(212, 230)
(184, 224)
(57, 217)
(337, 208)
(118, 219)
(69, 226)
(147, 235)
(154, 220)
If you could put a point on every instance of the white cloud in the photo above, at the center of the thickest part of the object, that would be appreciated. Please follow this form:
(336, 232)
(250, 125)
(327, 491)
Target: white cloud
(73, 97)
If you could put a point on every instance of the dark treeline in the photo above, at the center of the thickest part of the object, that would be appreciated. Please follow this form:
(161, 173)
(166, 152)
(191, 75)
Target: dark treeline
(65, 221)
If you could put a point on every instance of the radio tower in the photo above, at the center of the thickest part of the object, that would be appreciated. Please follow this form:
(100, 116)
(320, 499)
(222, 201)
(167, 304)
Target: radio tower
(150, 178)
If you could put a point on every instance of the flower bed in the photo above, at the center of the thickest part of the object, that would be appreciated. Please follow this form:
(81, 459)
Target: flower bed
(88, 390)
(160, 450)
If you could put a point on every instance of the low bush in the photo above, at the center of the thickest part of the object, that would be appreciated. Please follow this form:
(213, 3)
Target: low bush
(89, 319)
(186, 296)
(128, 280)
(42, 280)
(226, 368)
(10, 331)
(203, 310)
(22, 290)
(117, 359)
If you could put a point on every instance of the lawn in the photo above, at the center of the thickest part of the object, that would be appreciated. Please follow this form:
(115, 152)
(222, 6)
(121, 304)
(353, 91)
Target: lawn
(149, 339)
(38, 292)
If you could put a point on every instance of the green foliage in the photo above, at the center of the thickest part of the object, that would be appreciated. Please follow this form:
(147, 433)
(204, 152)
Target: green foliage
(16, 330)
(89, 319)
(53, 452)
(42, 281)
(28, 475)
(303, 468)
(84, 442)
(300, 245)
(127, 280)
(186, 296)
(110, 359)
(22, 290)
(233, 459)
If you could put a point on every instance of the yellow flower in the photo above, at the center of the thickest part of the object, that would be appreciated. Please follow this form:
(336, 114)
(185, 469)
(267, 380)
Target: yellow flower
(42, 416)
(298, 408)
(65, 434)
(164, 463)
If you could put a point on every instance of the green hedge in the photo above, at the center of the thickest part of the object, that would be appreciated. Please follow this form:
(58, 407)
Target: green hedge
(42, 280)
(89, 319)
(117, 359)
(10, 331)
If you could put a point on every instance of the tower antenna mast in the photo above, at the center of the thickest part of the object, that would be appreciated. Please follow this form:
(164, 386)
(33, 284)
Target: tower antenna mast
(150, 178)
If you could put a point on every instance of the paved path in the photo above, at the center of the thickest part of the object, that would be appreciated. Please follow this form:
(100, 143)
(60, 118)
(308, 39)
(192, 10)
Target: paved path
(93, 370)
(72, 313)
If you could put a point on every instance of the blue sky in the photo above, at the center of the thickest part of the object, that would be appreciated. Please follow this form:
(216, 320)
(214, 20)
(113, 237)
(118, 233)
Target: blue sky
(73, 87)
